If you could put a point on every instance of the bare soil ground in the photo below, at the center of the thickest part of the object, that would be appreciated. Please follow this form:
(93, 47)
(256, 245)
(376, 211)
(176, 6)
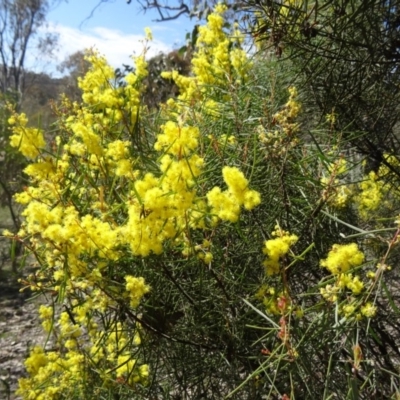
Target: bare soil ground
(19, 330)
(20, 327)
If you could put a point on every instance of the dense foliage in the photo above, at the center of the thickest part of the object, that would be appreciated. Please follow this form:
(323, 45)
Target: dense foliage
(346, 53)
(210, 248)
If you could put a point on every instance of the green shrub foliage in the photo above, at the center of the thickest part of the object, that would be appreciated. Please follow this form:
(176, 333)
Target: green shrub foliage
(208, 248)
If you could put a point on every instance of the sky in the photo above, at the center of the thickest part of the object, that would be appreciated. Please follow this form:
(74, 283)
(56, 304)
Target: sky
(114, 28)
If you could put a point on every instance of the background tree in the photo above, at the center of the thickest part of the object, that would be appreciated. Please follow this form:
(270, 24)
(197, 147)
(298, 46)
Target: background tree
(168, 11)
(74, 66)
(158, 89)
(19, 24)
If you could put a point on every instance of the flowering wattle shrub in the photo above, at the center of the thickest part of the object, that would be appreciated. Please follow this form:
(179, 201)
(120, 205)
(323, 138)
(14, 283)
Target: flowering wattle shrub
(94, 203)
(151, 233)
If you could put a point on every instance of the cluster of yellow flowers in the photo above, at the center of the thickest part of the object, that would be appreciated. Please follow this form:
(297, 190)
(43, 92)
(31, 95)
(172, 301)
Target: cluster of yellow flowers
(275, 249)
(56, 372)
(212, 64)
(204, 253)
(108, 353)
(28, 140)
(290, 111)
(340, 261)
(342, 258)
(219, 61)
(275, 295)
(371, 196)
(226, 205)
(136, 289)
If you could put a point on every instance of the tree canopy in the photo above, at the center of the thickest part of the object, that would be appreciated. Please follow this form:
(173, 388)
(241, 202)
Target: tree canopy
(19, 22)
